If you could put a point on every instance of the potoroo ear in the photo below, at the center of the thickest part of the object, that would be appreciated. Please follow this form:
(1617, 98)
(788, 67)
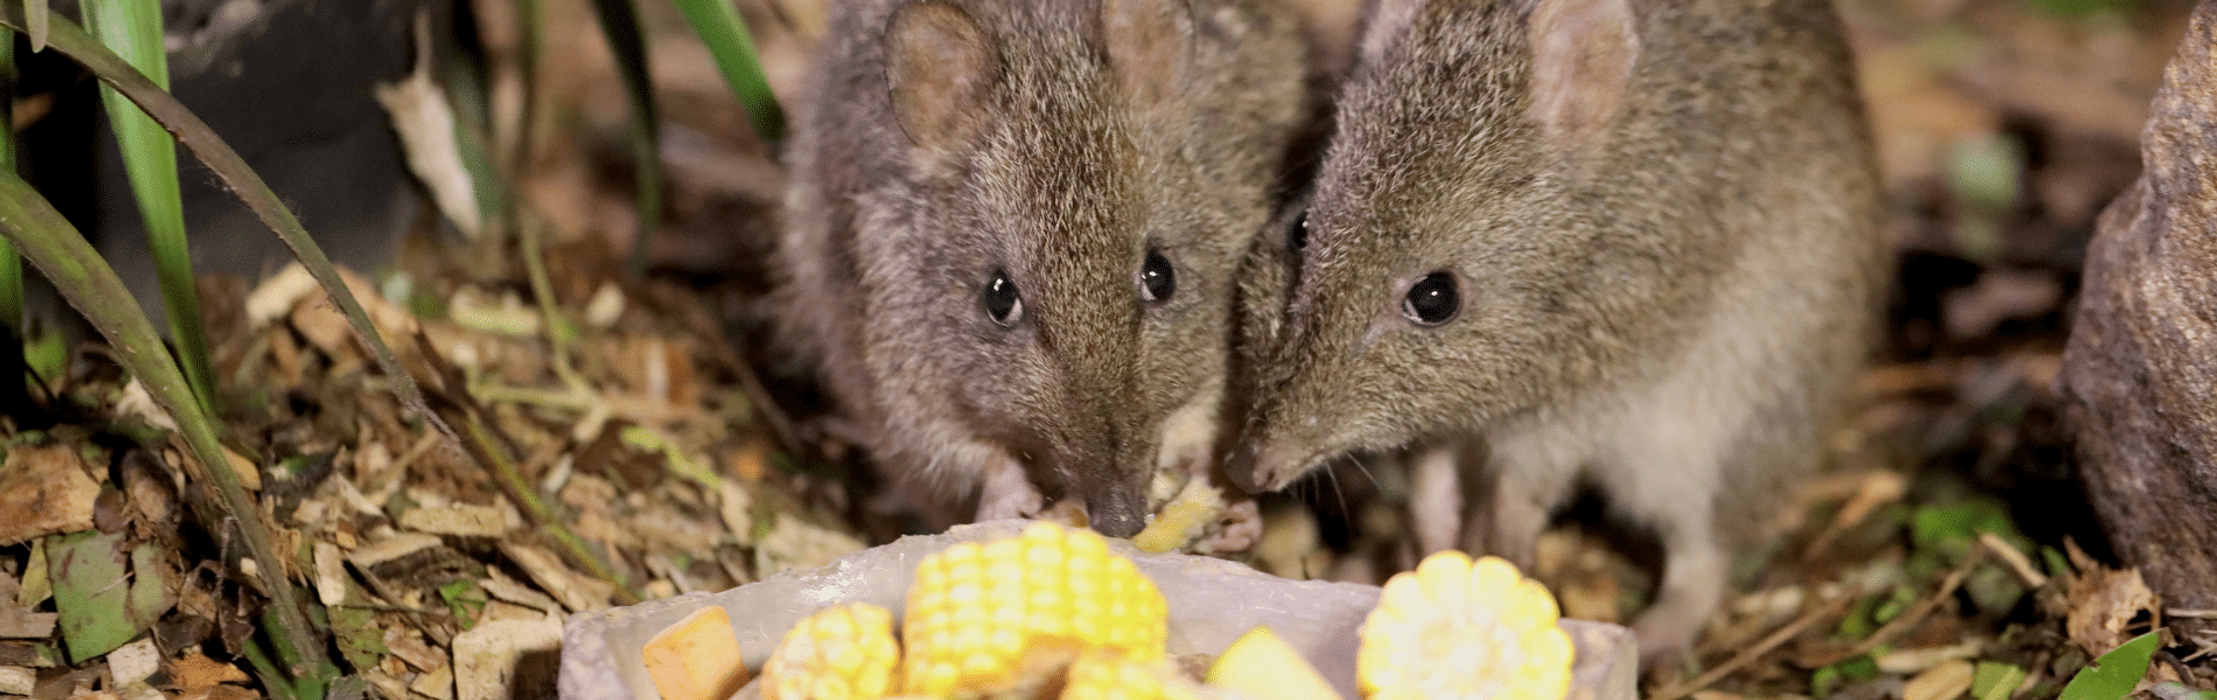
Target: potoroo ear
(1149, 44)
(1582, 57)
(941, 69)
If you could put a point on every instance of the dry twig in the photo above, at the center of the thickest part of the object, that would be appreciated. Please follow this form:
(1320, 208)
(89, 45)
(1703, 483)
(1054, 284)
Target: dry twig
(1910, 618)
(1828, 610)
(2016, 560)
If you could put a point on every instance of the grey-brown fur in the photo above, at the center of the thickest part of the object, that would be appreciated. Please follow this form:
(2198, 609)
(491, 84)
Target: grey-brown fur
(1663, 232)
(1058, 140)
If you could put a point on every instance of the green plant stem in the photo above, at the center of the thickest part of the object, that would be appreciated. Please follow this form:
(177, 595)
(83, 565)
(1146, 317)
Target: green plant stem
(55, 247)
(272, 680)
(486, 447)
(619, 22)
(133, 28)
(561, 334)
(11, 267)
(721, 28)
(233, 171)
(531, 29)
(14, 397)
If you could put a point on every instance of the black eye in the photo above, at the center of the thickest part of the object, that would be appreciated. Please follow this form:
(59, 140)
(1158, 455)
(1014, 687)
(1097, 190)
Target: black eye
(1297, 235)
(1432, 300)
(1002, 302)
(1157, 281)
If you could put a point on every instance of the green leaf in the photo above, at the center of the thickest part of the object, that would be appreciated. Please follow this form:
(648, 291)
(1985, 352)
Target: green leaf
(360, 640)
(2057, 564)
(1903, 597)
(133, 28)
(89, 591)
(648, 439)
(1953, 529)
(35, 23)
(1830, 678)
(1995, 681)
(619, 22)
(13, 392)
(2114, 674)
(466, 599)
(45, 354)
(150, 586)
(1859, 622)
(1824, 681)
(720, 27)
(1861, 668)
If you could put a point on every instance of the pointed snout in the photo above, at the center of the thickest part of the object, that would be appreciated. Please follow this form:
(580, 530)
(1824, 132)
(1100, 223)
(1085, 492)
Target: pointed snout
(1259, 467)
(1270, 453)
(1118, 512)
(1106, 464)
(1239, 466)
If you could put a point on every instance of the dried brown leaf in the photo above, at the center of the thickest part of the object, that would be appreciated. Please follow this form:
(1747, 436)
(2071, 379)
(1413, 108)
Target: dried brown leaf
(1946, 681)
(458, 519)
(576, 591)
(134, 662)
(500, 659)
(45, 491)
(20, 621)
(195, 672)
(407, 645)
(2103, 602)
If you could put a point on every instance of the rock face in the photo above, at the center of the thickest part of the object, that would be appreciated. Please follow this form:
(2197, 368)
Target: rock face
(2140, 372)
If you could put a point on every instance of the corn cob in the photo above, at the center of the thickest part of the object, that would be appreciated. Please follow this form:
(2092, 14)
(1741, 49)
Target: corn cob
(1456, 629)
(1104, 674)
(844, 652)
(984, 618)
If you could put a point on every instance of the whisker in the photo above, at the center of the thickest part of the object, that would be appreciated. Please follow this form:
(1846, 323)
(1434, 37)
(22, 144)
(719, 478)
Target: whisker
(1332, 475)
(1357, 460)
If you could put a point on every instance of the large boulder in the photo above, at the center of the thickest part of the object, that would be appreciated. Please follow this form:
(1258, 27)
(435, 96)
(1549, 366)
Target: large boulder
(2140, 373)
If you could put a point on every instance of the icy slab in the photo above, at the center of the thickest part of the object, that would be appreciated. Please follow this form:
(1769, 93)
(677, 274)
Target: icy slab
(1212, 602)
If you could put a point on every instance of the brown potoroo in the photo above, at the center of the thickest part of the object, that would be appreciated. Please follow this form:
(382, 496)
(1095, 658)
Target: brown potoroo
(1014, 228)
(1554, 243)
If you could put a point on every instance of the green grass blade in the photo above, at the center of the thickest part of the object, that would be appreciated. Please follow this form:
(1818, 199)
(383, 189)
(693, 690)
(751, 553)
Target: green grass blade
(531, 31)
(133, 29)
(720, 27)
(12, 330)
(55, 247)
(468, 95)
(619, 21)
(35, 23)
(232, 170)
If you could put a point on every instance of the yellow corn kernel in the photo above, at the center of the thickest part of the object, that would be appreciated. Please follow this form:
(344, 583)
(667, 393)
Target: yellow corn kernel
(1104, 674)
(982, 616)
(843, 652)
(1461, 629)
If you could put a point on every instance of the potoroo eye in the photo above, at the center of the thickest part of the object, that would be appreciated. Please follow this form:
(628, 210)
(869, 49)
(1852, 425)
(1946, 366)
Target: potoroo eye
(1003, 303)
(1157, 281)
(1432, 300)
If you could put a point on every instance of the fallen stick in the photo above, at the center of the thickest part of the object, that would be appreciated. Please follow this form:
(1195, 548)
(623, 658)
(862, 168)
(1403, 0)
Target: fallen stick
(1908, 620)
(1747, 656)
